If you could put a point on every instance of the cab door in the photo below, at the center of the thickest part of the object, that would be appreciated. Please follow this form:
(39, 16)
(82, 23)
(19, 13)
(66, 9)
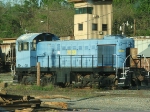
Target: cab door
(106, 55)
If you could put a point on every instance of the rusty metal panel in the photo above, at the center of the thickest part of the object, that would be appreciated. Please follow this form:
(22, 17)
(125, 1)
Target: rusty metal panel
(133, 53)
(145, 63)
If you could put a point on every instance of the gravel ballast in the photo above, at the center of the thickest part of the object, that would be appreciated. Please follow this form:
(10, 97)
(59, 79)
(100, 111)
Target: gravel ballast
(115, 100)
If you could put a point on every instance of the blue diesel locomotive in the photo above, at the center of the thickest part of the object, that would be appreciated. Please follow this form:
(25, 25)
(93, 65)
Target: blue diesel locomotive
(80, 63)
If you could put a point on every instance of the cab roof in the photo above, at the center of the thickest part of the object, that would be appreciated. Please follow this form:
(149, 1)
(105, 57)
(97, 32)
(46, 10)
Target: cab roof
(30, 36)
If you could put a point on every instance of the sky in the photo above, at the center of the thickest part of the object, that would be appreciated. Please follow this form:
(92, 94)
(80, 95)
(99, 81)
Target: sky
(5, 1)
(16, 1)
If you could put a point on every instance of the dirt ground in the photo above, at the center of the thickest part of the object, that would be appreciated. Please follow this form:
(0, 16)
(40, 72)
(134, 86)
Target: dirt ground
(84, 99)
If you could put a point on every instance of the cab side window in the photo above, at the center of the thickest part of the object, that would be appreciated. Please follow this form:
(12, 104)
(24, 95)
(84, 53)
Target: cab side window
(20, 46)
(23, 46)
(33, 45)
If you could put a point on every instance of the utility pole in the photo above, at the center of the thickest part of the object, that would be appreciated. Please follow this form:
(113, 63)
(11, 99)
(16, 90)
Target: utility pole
(134, 27)
(38, 74)
(47, 18)
(47, 24)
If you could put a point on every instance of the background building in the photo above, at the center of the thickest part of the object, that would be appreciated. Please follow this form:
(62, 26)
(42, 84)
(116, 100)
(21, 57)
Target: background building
(143, 45)
(92, 19)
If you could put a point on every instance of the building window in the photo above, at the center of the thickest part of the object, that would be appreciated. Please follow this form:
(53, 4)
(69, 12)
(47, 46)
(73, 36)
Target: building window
(80, 27)
(84, 10)
(94, 26)
(104, 27)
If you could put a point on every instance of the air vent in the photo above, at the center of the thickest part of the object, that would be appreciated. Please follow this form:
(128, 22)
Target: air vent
(95, 16)
(100, 32)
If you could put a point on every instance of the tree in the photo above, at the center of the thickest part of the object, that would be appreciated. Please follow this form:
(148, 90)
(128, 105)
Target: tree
(142, 15)
(56, 16)
(123, 12)
(132, 10)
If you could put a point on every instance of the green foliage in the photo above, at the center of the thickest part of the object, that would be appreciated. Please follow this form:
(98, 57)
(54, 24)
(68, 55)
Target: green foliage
(1, 80)
(20, 87)
(49, 87)
(57, 17)
(27, 16)
(135, 12)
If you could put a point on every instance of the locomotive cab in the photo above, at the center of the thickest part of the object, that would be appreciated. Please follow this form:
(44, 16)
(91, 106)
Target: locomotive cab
(26, 48)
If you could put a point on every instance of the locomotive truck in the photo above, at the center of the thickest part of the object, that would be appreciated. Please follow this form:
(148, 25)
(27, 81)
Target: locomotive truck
(106, 62)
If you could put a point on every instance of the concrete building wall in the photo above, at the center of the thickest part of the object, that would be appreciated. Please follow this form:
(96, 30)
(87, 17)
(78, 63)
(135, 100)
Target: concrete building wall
(101, 14)
(8, 40)
(142, 43)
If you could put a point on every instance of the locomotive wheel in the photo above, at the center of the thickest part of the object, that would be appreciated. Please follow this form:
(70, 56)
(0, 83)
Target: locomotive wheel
(79, 81)
(79, 78)
(86, 81)
(47, 80)
(107, 81)
(23, 80)
(28, 80)
(67, 84)
(94, 83)
(44, 81)
(115, 85)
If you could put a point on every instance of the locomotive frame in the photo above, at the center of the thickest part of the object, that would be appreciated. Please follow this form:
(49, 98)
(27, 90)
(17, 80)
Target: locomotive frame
(111, 72)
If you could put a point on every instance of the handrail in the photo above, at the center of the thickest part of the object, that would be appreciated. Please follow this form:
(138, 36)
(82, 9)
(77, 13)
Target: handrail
(128, 57)
(123, 65)
(116, 64)
(81, 58)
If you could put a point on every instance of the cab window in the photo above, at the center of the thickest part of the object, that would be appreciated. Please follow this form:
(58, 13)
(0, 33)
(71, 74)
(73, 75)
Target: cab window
(23, 46)
(20, 47)
(33, 46)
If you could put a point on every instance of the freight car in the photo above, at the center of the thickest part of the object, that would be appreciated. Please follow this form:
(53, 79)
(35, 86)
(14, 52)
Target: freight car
(80, 63)
(7, 55)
